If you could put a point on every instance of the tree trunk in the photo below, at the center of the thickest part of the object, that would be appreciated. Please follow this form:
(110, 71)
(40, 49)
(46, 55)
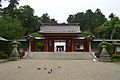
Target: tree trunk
(111, 37)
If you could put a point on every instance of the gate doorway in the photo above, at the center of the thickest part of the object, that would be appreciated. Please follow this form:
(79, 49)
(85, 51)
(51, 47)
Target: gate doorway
(59, 46)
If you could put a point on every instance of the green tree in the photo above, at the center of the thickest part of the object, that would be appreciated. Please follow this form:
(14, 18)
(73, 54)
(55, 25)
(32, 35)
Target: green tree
(103, 30)
(45, 18)
(11, 8)
(0, 3)
(111, 16)
(110, 29)
(98, 21)
(89, 20)
(70, 19)
(78, 18)
(114, 26)
(25, 14)
(53, 20)
(35, 34)
(11, 28)
(86, 33)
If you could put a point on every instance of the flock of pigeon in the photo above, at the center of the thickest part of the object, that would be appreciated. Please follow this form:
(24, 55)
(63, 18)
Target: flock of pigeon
(49, 72)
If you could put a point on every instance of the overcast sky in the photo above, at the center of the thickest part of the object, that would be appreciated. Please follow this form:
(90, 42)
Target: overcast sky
(61, 9)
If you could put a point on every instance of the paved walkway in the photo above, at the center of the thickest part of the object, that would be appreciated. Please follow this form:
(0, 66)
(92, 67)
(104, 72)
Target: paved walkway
(61, 70)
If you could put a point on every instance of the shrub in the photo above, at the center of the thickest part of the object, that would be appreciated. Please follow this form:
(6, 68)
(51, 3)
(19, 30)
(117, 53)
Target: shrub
(4, 56)
(109, 47)
(36, 35)
(116, 56)
(4, 47)
(1, 53)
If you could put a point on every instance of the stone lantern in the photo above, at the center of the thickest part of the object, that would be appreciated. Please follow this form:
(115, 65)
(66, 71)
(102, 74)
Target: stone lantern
(15, 54)
(104, 55)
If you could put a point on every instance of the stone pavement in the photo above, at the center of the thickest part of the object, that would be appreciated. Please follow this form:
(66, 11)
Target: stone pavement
(28, 69)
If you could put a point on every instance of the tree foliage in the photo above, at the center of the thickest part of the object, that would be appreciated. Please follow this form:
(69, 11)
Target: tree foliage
(45, 18)
(110, 29)
(25, 14)
(11, 28)
(36, 34)
(88, 20)
(11, 8)
(111, 16)
(86, 33)
(0, 3)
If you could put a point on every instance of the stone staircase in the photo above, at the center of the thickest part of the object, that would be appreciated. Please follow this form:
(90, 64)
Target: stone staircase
(60, 55)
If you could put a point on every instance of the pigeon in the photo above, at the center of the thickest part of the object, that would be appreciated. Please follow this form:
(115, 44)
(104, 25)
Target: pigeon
(38, 68)
(45, 68)
(59, 67)
(49, 72)
(19, 67)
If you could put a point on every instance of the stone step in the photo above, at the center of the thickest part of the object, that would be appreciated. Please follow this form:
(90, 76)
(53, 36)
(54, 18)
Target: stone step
(60, 55)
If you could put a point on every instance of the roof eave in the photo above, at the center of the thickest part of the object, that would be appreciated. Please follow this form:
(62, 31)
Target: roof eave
(59, 32)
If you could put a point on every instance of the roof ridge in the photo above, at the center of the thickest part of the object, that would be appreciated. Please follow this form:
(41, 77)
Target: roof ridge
(59, 24)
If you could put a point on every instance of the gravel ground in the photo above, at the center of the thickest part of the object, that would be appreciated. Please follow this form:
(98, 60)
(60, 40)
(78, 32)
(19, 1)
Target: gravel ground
(59, 70)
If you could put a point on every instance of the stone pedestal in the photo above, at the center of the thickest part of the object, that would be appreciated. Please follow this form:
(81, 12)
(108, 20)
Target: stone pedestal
(104, 55)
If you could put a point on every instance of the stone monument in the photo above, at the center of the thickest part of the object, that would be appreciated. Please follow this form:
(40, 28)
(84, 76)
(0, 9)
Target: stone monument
(104, 55)
(15, 54)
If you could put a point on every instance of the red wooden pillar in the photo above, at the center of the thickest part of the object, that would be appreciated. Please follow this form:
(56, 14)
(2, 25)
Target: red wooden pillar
(73, 45)
(34, 45)
(86, 46)
(46, 45)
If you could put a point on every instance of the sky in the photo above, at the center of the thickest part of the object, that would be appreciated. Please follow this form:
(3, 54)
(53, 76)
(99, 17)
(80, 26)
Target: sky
(61, 9)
